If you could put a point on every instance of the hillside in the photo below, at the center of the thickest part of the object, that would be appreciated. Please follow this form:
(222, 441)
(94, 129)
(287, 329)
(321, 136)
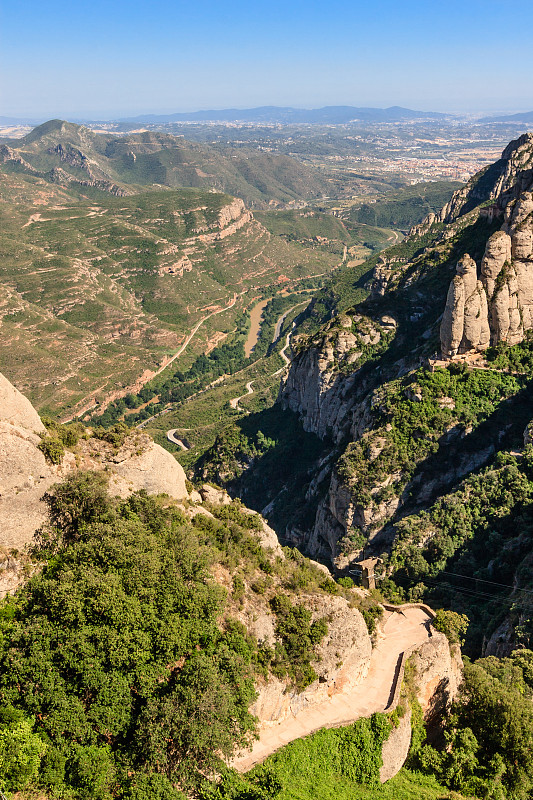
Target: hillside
(99, 291)
(153, 629)
(63, 152)
(415, 450)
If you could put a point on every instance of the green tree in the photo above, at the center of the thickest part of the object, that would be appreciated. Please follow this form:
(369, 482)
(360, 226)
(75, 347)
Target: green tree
(21, 749)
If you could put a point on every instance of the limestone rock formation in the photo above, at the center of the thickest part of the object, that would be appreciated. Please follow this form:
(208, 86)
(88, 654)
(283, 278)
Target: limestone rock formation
(317, 386)
(465, 324)
(506, 270)
(396, 748)
(504, 294)
(138, 464)
(17, 409)
(25, 475)
(438, 668)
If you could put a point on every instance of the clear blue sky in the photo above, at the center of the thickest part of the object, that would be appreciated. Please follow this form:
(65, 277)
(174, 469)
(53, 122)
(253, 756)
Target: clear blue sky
(104, 59)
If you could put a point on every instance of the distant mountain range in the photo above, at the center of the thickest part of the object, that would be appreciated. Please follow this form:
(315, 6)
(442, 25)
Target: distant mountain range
(523, 116)
(20, 120)
(326, 115)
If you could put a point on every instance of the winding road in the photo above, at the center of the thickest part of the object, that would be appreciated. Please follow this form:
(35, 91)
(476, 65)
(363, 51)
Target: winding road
(401, 631)
(234, 402)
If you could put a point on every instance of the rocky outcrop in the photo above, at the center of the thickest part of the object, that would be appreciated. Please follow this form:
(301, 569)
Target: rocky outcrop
(138, 464)
(342, 662)
(438, 672)
(396, 748)
(500, 291)
(438, 667)
(25, 475)
(231, 218)
(465, 323)
(320, 383)
(499, 306)
(15, 409)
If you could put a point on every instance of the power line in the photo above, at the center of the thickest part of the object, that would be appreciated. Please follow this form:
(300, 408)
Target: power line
(481, 580)
(472, 593)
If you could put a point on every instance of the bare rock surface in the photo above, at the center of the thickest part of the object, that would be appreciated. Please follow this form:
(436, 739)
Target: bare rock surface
(138, 464)
(17, 409)
(506, 269)
(210, 494)
(293, 718)
(25, 475)
(438, 675)
(396, 748)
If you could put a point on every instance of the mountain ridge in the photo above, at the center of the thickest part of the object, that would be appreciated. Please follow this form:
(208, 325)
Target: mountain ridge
(62, 151)
(287, 115)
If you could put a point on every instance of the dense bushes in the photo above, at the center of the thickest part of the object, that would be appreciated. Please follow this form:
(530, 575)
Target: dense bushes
(475, 544)
(297, 637)
(330, 759)
(121, 673)
(489, 737)
(116, 652)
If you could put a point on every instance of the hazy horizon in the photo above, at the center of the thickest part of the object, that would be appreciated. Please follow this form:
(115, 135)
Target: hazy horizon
(127, 59)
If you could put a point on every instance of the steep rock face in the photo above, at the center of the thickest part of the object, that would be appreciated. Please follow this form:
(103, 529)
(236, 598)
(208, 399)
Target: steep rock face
(25, 475)
(438, 670)
(343, 660)
(438, 667)
(465, 323)
(17, 409)
(396, 748)
(505, 285)
(321, 381)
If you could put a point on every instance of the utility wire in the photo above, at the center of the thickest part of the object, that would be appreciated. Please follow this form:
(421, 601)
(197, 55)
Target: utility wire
(481, 580)
(472, 593)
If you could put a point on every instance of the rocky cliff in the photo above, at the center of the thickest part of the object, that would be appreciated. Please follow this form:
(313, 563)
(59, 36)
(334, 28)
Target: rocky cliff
(497, 306)
(25, 474)
(465, 276)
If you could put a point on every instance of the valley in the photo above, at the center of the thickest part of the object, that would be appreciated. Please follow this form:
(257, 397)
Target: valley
(267, 460)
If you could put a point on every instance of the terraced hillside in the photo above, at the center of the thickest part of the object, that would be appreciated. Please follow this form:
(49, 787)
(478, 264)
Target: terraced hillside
(98, 291)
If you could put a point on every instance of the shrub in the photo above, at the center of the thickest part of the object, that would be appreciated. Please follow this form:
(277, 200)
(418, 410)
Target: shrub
(52, 448)
(452, 624)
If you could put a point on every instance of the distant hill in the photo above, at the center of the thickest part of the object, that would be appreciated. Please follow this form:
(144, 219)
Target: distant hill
(19, 121)
(523, 116)
(63, 152)
(326, 115)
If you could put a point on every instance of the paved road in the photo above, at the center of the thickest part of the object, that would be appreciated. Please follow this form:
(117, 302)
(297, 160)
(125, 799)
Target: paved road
(234, 402)
(400, 632)
(171, 436)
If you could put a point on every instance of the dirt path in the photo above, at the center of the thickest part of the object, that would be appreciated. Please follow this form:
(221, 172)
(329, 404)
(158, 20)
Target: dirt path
(234, 402)
(401, 631)
(193, 331)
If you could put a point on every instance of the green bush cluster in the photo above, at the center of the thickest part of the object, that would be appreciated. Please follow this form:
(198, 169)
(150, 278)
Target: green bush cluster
(488, 747)
(345, 759)
(475, 543)
(113, 657)
(411, 422)
(58, 437)
(297, 638)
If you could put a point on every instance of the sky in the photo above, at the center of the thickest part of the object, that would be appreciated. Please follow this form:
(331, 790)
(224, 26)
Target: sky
(103, 60)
